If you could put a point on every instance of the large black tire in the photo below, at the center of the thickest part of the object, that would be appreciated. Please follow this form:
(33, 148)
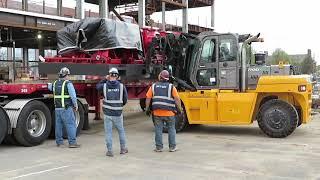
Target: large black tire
(4, 124)
(181, 122)
(143, 104)
(79, 115)
(34, 124)
(277, 118)
(10, 140)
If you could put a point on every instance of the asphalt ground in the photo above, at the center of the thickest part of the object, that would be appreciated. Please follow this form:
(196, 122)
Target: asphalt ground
(205, 152)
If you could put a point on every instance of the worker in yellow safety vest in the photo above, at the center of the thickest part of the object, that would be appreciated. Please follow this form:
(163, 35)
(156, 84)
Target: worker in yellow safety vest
(65, 101)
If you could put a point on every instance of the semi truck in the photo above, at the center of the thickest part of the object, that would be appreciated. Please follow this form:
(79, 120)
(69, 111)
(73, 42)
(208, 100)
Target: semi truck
(216, 75)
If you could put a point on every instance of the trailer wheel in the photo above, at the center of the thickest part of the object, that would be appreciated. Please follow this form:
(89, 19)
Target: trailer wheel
(33, 125)
(10, 140)
(277, 118)
(4, 124)
(181, 121)
(79, 115)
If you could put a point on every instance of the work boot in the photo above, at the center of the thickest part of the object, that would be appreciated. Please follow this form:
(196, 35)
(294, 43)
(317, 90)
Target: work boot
(124, 151)
(157, 150)
(173, 149)
(109, 153)
(60, 145)
(74, 145)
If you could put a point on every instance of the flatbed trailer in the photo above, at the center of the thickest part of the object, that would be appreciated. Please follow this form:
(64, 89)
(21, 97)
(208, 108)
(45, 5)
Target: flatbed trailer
(27, 107)
(18, 102)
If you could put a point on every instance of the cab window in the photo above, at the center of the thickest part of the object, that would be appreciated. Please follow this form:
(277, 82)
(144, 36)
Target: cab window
(207, 77)
(207, 54)
(227, 50)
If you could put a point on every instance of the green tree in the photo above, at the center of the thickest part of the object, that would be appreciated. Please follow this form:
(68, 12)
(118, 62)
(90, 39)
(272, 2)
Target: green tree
(318, 70)
(280, 55)
(308, 65)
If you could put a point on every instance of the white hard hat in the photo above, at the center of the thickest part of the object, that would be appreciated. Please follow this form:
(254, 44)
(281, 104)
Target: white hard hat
(64, 72)
(114, 71)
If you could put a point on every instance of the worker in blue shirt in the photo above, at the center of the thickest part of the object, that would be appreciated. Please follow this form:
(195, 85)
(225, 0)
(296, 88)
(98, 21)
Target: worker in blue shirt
(65, 101)
(115, 97)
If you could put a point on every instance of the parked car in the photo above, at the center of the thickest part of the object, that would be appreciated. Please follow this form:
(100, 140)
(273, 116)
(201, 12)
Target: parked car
(315, 96)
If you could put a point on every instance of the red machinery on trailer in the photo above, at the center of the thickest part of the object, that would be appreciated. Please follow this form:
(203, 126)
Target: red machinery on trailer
(27, 107)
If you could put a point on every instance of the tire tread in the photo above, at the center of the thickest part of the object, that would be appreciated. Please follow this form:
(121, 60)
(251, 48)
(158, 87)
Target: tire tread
(293, 114)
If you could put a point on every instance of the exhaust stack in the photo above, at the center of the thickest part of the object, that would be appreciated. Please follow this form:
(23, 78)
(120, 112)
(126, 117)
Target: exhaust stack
(243, 59)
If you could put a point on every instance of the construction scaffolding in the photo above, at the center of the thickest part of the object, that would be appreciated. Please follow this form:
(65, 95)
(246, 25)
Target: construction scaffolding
(140, 10)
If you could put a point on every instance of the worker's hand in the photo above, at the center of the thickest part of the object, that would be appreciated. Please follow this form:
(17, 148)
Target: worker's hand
(49, 85)
(75, 108)
(148, 111)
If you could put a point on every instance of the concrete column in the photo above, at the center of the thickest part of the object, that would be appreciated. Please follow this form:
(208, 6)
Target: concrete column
(35, 70)
(44, 6)
(10, 64)
(142, 13)
(104, 8)
(9, 53)
(212, 14)
(40, 47)
(80, 9)
(163, 16)
(25, 5)
(59, 7)
(185, 17)
(25, 58)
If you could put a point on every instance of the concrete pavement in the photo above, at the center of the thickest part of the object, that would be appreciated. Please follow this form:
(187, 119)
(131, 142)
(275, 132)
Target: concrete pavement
(206, 152)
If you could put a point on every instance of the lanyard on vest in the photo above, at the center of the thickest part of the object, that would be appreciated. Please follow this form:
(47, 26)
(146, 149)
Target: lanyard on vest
(62, 96)
(168, 97)
(106, 100)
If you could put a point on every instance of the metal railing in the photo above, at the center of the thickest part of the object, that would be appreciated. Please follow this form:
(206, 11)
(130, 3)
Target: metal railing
(48, 7)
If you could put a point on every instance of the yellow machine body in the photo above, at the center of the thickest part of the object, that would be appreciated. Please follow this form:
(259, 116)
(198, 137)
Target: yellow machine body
(231, 107)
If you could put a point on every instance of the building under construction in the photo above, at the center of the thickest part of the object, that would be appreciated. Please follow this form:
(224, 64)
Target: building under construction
(28, 27)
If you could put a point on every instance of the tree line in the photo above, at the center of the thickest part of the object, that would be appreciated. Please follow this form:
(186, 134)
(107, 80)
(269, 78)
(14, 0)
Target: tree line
(306, 66)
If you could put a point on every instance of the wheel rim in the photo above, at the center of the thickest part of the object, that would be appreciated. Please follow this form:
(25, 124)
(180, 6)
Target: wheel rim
(77, 116)
(36, 123)
(276, 119)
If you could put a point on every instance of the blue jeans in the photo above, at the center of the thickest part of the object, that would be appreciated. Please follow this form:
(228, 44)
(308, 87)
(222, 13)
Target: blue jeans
(158, 124)
(118, 123)
(65, 117)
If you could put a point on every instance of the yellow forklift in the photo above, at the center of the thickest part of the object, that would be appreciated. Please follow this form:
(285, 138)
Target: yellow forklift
(221, 83)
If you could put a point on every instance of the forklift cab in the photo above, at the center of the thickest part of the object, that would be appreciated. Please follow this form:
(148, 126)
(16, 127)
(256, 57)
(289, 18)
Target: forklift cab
(214, 63)
(214, 71)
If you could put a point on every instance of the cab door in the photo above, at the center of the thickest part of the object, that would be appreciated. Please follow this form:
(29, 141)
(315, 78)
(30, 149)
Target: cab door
(228, 62)
(203, 102)
(233, 107)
